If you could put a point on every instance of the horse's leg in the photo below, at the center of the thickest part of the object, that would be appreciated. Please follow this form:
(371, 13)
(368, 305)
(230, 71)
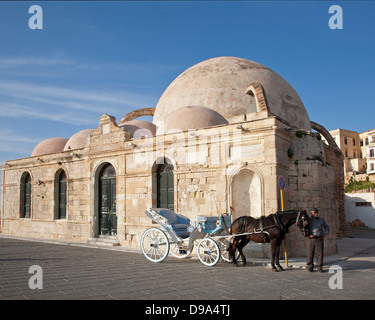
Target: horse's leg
(278, 245)
(232, 251)
(273, 252)
(243, 243)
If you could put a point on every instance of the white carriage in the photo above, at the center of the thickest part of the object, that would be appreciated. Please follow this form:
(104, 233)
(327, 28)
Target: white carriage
(176, 234)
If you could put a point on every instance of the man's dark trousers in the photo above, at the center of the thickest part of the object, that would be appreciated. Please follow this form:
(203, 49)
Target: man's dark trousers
(315, 245)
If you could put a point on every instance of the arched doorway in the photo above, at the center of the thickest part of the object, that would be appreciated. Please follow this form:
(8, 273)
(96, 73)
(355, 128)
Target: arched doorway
(246, 194)
(165, 185)
(107, 201)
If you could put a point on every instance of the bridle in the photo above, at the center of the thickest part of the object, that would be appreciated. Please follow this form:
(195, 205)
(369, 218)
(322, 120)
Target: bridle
(301, 217)
(298, 216)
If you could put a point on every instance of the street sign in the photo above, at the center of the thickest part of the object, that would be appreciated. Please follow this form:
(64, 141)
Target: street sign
(282, 183)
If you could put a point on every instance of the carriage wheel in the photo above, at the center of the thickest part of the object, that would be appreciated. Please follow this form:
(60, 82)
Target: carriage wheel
(208, 252)
(155, 245)
(224, 250)
(179, 250)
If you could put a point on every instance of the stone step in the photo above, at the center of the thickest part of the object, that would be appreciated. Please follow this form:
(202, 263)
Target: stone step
(109, 241)
(358, 230)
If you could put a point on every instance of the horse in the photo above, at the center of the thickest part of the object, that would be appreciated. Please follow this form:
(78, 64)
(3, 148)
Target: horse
(271, 228)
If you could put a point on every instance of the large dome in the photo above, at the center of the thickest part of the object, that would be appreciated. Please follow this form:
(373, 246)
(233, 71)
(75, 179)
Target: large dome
(78, 140)
(139, 128)
(220, 84)
(51, 145)
(190, 118)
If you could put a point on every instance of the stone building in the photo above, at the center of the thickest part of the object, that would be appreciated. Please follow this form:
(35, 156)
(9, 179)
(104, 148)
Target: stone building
(349, 143)
(359, 153)
(368, 150)
(223, 132)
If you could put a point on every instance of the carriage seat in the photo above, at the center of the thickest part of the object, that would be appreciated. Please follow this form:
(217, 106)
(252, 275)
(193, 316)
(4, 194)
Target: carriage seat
(179, 223)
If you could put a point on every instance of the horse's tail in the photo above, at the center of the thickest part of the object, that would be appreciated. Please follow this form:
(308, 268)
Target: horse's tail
(238, 226)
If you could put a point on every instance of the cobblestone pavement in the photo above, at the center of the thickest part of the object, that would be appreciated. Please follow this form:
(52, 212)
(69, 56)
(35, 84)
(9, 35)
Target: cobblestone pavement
(73, 272)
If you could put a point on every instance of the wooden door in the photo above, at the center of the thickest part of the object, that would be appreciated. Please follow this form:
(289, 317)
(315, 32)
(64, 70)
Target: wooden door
(107, 205)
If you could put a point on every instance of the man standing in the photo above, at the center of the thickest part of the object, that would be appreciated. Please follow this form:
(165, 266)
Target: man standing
(318, 231)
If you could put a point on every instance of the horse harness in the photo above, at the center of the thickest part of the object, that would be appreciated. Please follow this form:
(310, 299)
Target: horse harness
(262, 229)
(278, 224)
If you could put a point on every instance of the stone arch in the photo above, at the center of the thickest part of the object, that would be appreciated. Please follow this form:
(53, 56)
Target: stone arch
(246, 192)
(136, 114)
(325, 133)
(256, 90)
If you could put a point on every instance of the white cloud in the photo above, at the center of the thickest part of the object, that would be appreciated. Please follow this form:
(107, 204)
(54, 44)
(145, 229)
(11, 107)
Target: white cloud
(7, 135)
(14, 143)
(61, 90)
(39, 101)
(11, 62)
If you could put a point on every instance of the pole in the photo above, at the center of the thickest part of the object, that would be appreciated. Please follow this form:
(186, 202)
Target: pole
(285, 244)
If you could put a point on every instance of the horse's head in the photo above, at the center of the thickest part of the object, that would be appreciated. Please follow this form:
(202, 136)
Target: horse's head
(303, 222)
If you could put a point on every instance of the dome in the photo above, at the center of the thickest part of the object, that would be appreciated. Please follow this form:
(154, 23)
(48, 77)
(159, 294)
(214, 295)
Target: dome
(51, 145)
(220, 84)
(139, 128)
(78, 140)
(192, 117)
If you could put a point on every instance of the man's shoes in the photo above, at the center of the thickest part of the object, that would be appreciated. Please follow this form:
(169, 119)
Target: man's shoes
(310, 269)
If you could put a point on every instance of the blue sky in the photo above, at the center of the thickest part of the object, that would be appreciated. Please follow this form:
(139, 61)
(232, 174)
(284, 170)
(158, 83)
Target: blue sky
(97, 57)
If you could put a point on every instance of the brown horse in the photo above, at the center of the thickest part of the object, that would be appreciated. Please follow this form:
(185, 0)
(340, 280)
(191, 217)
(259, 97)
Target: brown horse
(266, 229)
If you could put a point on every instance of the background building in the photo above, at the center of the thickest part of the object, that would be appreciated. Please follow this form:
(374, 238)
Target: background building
(368, 150)
(358, 150)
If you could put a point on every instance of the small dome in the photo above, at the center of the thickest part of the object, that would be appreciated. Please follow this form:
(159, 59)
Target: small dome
(192, 117)
(78, 140)
(220, 84)
(139, 128)
(51, 145)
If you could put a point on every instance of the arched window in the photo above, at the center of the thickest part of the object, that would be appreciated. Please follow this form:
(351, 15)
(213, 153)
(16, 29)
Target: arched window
(25, 199)
(165, 185)
(61, 196)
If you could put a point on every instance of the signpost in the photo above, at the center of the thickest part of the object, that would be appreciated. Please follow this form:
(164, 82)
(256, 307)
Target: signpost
(282, 185)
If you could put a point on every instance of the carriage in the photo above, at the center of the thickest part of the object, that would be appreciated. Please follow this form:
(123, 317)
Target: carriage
(176, 235)
(213, 234)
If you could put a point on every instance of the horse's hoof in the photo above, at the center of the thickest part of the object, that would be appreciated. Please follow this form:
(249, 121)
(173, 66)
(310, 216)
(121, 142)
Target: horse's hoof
(244, 264)
(274, 269)
(235, 265)
(280, 268)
